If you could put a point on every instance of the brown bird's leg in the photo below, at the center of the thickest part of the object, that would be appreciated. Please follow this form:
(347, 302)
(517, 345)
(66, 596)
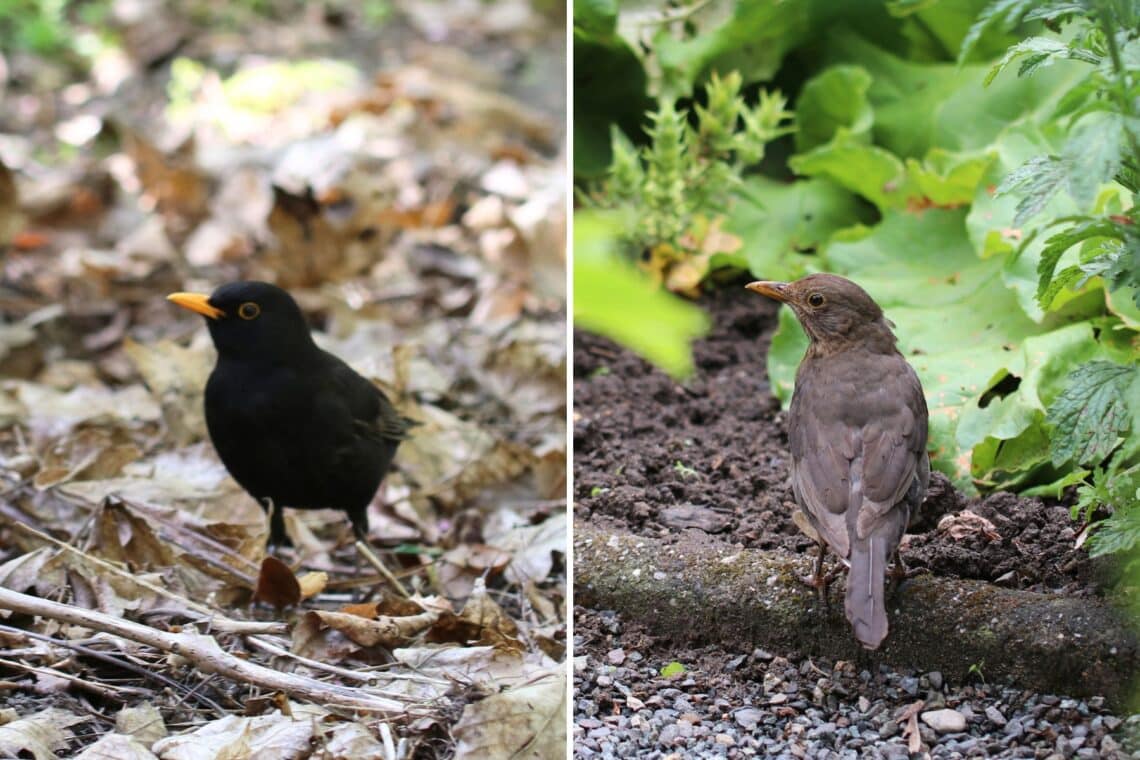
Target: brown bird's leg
(898, 572)
(819, 580)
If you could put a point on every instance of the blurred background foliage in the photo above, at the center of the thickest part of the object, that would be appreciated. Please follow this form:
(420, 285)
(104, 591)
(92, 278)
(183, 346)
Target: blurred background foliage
(972, 164)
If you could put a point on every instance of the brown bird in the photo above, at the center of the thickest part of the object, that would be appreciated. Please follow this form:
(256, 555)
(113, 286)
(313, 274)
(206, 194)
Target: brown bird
(857, 431)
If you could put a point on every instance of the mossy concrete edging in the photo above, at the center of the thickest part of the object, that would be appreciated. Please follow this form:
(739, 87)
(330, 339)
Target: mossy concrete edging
(702, 591)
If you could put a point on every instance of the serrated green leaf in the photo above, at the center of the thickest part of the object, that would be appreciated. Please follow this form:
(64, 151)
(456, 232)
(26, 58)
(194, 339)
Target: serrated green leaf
(1092, 412)
(1007, 12)
(672, 669)
(1038, 180)
(1081, 230)
(1094, 150)
(1039, 49)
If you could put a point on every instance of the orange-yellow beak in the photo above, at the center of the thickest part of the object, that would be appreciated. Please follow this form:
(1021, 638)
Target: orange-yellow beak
(196, 302)
(776, 290)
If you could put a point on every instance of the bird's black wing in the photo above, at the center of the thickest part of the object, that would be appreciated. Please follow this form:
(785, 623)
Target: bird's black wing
(372, 412)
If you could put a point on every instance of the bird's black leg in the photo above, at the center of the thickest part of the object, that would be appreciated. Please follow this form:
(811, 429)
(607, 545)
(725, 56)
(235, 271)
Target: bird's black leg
(277, 534)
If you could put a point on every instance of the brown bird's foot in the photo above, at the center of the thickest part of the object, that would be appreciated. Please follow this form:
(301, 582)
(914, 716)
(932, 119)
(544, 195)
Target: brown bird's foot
(819, 580)
(899, 572)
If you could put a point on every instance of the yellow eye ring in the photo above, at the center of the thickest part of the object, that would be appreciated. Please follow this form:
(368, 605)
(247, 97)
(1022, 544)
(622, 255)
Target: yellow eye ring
(249, 310)
(815, 299)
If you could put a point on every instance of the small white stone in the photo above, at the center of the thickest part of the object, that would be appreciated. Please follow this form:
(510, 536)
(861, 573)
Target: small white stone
(945, 721)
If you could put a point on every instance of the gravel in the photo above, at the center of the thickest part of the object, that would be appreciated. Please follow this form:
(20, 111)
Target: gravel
(728, 705)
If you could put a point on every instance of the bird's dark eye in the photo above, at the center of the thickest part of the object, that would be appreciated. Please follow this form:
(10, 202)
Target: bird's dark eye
(816, 299)
(249, 310)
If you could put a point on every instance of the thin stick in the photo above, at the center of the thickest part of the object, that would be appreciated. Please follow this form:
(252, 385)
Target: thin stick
(366, 552)
(205, 654)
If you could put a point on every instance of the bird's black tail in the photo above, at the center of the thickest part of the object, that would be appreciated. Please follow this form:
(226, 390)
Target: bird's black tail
(865, 602)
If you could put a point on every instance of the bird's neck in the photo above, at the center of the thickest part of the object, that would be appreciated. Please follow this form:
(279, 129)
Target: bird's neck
(295, 354)
(869, 337)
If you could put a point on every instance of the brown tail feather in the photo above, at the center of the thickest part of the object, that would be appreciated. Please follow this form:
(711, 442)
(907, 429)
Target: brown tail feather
(865, 602)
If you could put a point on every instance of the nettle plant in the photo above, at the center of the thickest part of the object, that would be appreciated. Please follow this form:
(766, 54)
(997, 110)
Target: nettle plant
(680, 184)
(1093, 418)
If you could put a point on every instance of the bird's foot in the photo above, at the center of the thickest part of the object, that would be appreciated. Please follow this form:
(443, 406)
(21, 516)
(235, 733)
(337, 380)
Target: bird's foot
(899, 572)
(821, 582)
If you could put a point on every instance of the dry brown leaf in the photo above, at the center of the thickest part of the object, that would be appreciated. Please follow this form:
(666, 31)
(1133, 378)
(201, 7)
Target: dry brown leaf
(143, 722)
(93, 453)
(50, 413)
(313, 583)
(276, 584)
(526, 721)
(530, 546)
(179, 189)
(117, 746)
(276, 736)
(968, 524)
(122, 535)
(176, 376)
(385, 631)
(41, 735)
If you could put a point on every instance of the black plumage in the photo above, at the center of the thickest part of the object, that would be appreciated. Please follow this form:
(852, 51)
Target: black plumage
(294, 425)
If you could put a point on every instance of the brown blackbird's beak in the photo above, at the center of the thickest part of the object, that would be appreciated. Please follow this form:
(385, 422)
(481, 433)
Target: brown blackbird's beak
(196, 302)
(776, 290)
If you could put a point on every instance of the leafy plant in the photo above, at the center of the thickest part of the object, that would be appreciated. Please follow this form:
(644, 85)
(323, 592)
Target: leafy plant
(1100, 403)
(680, 184)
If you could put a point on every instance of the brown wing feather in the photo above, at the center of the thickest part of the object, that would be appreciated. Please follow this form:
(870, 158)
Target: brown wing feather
(893, 446)
(820, 482)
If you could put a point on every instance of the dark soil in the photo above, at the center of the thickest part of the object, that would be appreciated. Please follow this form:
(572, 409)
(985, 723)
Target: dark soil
(654, 456)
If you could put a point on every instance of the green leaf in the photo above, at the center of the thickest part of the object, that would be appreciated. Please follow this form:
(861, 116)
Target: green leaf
(780, 221)
(1094, 150)
(868, 170)
(919, 106)
(753, 40)
(1121, 531)
(609, 89)
(833, 99)
(1037, 52)
(1092, 413)
(1082, 229)
(596, 17)
(946, 178)
(1037, 180)
(672, 669)
(997, 13)
(614, 299)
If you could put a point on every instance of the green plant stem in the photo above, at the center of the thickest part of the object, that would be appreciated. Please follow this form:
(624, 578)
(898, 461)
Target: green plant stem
(1121, 90)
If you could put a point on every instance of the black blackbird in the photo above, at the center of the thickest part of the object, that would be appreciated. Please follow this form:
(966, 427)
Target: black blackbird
(294, 425)
(857, 431)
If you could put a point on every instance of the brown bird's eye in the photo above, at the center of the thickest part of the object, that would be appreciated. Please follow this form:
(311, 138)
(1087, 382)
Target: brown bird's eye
(249, 310)
(816, 299)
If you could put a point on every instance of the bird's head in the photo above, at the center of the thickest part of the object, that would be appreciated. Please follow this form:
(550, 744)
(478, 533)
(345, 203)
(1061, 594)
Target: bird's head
(254, 320)
(833, 310)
